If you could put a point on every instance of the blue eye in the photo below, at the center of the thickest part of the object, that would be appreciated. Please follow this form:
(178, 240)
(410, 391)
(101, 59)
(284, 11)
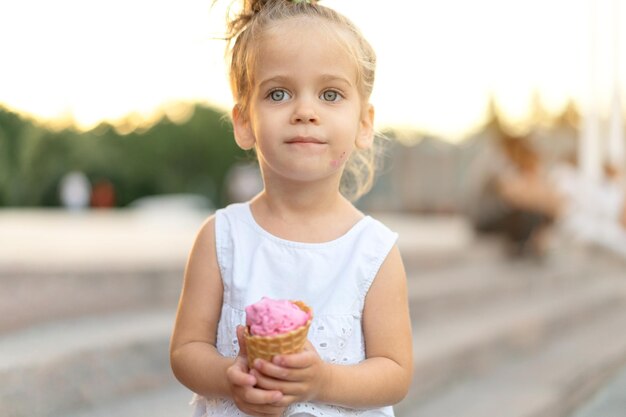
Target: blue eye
(279, 95)
(331, 95)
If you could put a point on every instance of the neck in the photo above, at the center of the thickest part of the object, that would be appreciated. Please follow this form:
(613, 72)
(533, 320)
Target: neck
(304, 212)
(298, 200)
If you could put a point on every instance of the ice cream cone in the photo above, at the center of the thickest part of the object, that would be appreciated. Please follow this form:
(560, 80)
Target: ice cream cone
(266, 347)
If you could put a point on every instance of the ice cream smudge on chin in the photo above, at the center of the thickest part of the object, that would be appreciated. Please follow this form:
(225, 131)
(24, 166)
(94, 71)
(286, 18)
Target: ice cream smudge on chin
(336, 162)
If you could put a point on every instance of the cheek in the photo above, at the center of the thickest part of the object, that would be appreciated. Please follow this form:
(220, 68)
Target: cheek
(335, 163)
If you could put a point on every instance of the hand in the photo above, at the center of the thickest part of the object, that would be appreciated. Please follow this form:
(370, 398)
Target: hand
(299, 376)
(251, 400)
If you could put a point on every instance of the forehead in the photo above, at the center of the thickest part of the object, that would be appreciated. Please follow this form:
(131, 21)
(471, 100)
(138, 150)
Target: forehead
(305, 47)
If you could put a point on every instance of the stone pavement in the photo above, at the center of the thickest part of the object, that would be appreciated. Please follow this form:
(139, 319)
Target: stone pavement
(56, 239)
(51, 239)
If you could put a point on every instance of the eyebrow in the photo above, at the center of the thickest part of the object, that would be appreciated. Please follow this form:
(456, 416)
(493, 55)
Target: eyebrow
(281, 79)
(331, 77)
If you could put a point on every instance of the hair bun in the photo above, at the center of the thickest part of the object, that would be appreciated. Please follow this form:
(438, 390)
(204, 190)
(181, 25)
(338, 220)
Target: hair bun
(255, 6)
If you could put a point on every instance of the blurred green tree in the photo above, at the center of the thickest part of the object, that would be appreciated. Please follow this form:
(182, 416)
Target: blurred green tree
(191, 157)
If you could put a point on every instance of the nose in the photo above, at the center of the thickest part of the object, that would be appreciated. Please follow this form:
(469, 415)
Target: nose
(304, 112)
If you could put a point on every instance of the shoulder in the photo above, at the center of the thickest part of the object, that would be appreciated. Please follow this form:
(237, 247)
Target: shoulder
(378, 230)
(205, 236)
(379, 224)
(389, 282)
(376, 249)
(227, 216)
(220, 219)
(387, 244)
(216, 227)
(370, 223)
(219, 231)
(392, 265)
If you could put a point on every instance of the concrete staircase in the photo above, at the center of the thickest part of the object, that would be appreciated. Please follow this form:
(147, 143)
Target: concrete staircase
(492, 337)
(516, 339)
(68, 357)
(87, 303)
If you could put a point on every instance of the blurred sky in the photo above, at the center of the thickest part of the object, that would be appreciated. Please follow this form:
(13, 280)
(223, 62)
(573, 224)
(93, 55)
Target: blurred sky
(439, 60)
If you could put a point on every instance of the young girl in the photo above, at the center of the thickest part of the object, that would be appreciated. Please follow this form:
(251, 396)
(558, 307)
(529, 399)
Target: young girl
(301, 76)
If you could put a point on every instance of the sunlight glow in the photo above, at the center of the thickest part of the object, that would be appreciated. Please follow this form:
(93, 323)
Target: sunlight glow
(439, 61)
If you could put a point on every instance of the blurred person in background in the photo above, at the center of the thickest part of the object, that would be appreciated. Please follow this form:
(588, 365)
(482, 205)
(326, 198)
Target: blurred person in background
(103, 194)
(586, 211)
(75, 191)
(509, 196)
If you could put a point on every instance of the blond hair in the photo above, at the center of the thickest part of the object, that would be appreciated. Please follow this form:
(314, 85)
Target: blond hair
(246, 28)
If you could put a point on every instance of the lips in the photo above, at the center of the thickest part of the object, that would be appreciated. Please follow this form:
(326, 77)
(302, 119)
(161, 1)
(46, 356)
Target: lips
(304, 140)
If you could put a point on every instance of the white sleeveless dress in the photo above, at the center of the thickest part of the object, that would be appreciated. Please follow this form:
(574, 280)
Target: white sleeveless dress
(332, 277)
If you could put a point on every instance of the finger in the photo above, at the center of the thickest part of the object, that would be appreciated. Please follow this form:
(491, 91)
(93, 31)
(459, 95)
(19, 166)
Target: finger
(271, 370)
(241, 363)
(270, 413)
(243, 350)
(286, 401)
(268, 383)
(307, 357)
(262, 410)
(275, 412)
(238, 374)
(287, 388)
(299, 360)
(260, 396)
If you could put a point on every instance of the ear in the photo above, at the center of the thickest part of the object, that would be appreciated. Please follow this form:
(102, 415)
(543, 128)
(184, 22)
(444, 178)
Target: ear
(242, 129)
(365, 136)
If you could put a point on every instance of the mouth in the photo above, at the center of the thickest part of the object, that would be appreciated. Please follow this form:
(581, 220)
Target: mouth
(305, 140)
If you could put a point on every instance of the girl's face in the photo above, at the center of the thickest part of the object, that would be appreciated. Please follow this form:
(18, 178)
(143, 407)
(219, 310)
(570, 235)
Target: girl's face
(306, 115)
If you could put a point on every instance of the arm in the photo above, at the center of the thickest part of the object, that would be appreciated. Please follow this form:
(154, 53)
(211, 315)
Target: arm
(383, 378)
(194, 358)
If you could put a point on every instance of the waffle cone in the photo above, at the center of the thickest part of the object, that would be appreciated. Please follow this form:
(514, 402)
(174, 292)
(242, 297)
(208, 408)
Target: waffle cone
(266, 347)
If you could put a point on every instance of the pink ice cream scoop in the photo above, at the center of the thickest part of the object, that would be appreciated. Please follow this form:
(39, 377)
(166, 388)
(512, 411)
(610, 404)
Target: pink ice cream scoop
(272, 317)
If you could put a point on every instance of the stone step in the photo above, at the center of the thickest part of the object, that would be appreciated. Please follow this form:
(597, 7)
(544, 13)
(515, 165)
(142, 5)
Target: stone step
(453, 289)
(30, 298)
(477, 282)
(127, 352)
(549, 382)
(469, 341)
(431, 242)
(173, 399)
(66, 365)
(609, 401)
(55, 264)
(169, 401)
(531, 380)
